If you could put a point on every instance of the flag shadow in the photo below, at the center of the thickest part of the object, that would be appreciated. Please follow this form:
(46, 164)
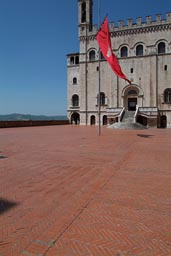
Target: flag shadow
(6, 205)
(146, 136)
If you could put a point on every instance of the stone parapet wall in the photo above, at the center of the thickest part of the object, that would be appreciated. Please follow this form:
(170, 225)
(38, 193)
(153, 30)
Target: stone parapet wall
(23, 123)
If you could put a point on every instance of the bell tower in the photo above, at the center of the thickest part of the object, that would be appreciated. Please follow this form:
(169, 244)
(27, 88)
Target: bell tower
(85, 16)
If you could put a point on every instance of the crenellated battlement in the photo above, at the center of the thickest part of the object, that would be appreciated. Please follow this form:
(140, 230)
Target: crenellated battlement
(137, 25)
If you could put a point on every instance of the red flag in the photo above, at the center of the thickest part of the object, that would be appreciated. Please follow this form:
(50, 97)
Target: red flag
(103, 39)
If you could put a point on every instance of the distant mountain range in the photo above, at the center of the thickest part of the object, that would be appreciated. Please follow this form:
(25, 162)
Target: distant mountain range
(26, 117)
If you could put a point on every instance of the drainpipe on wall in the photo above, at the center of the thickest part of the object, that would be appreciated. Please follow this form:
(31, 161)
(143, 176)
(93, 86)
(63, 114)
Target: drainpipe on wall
(156, 80)
(86, 96)
(99, 80)
(117, 92)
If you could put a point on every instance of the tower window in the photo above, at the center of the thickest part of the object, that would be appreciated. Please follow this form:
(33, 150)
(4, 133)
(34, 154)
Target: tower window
(77, 60)
(74, 80)
(72, 60)
(161, 48)
(83, 12)
(132, 70)
(139, 50)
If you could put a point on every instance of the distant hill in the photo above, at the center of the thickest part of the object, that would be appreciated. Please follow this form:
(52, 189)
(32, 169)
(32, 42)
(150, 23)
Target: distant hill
(15, 117)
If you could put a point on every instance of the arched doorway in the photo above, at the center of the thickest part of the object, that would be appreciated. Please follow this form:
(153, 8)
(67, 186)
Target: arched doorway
(75, 118)
(132, 96)
(93, 120)
(104, 120)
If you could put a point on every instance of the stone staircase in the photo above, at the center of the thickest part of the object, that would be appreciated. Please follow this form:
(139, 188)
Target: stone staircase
(128, 117)
(128, 122)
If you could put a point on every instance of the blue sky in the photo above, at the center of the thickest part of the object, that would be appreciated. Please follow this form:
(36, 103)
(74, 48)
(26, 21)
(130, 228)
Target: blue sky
(36, 36)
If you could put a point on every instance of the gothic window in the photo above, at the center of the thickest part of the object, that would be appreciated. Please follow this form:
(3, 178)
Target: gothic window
(83, 12)
(167, 95)
(139, 50)
(92, 55)
(74, 80)
(124, 51)
(161, 47)
(75, 100)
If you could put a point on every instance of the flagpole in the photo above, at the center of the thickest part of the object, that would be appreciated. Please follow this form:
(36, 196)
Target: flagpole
(99, 103)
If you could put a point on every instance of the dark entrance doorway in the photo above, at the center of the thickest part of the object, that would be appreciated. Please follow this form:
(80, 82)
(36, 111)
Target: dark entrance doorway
(104, 120)
(93, 120)
(163, 121)
(75, 118)
(132, 102)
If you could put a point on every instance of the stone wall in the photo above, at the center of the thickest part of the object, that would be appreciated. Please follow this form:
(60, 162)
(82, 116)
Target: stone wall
(8, 124)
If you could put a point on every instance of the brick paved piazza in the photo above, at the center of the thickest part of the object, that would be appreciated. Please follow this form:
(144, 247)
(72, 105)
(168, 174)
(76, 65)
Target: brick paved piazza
(67, 191)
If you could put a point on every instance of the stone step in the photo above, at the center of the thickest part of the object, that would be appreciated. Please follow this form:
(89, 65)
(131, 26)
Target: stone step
(128, 120)
(128, 115)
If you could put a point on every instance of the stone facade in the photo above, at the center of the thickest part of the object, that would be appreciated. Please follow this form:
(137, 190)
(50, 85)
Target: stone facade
(143, 50)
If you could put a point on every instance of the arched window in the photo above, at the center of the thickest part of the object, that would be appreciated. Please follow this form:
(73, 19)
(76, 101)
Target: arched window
(104, 120)
(93, 120)
(124, 52)
(75, 100)
(161, 47)
(74, 80)
(92, 55)
(139, 50)
(83, 12)
(102, 99)
(167, 95)
(132, 92)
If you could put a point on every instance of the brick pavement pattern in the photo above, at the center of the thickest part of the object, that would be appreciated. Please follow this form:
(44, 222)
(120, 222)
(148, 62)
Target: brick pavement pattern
(64, 190)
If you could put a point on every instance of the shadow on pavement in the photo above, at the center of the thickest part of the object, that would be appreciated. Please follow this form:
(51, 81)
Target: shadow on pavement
(2, 157)
(145, 136)
(6, 205)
